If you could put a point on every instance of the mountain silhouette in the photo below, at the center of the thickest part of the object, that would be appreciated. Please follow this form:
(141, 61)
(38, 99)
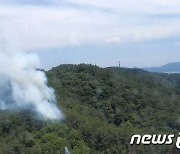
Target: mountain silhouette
(167, 68)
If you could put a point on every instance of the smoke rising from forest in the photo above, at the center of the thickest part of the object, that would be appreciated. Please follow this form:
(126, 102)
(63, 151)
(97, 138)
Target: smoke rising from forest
(24, 87)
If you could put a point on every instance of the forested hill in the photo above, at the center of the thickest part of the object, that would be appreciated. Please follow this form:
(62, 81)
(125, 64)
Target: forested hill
(107, 105)
(104, 107)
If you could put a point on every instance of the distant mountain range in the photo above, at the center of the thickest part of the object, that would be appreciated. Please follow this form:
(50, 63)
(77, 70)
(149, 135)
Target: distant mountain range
(168, 68)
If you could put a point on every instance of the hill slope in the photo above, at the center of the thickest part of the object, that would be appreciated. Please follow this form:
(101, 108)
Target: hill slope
(104, 107)
(109, 105)
(169, 68)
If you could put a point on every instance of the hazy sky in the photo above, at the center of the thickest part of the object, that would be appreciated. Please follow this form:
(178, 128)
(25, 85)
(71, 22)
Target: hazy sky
(136, 32)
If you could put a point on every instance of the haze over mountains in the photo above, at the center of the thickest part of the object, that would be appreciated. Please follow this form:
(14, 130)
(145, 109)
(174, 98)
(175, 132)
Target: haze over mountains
(167, 68)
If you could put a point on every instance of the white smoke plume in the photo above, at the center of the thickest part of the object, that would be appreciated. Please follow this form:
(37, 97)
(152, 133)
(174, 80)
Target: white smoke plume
(23, 87)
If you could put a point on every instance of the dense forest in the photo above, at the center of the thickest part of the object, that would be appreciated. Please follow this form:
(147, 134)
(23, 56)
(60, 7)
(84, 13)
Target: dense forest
(103, 108)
